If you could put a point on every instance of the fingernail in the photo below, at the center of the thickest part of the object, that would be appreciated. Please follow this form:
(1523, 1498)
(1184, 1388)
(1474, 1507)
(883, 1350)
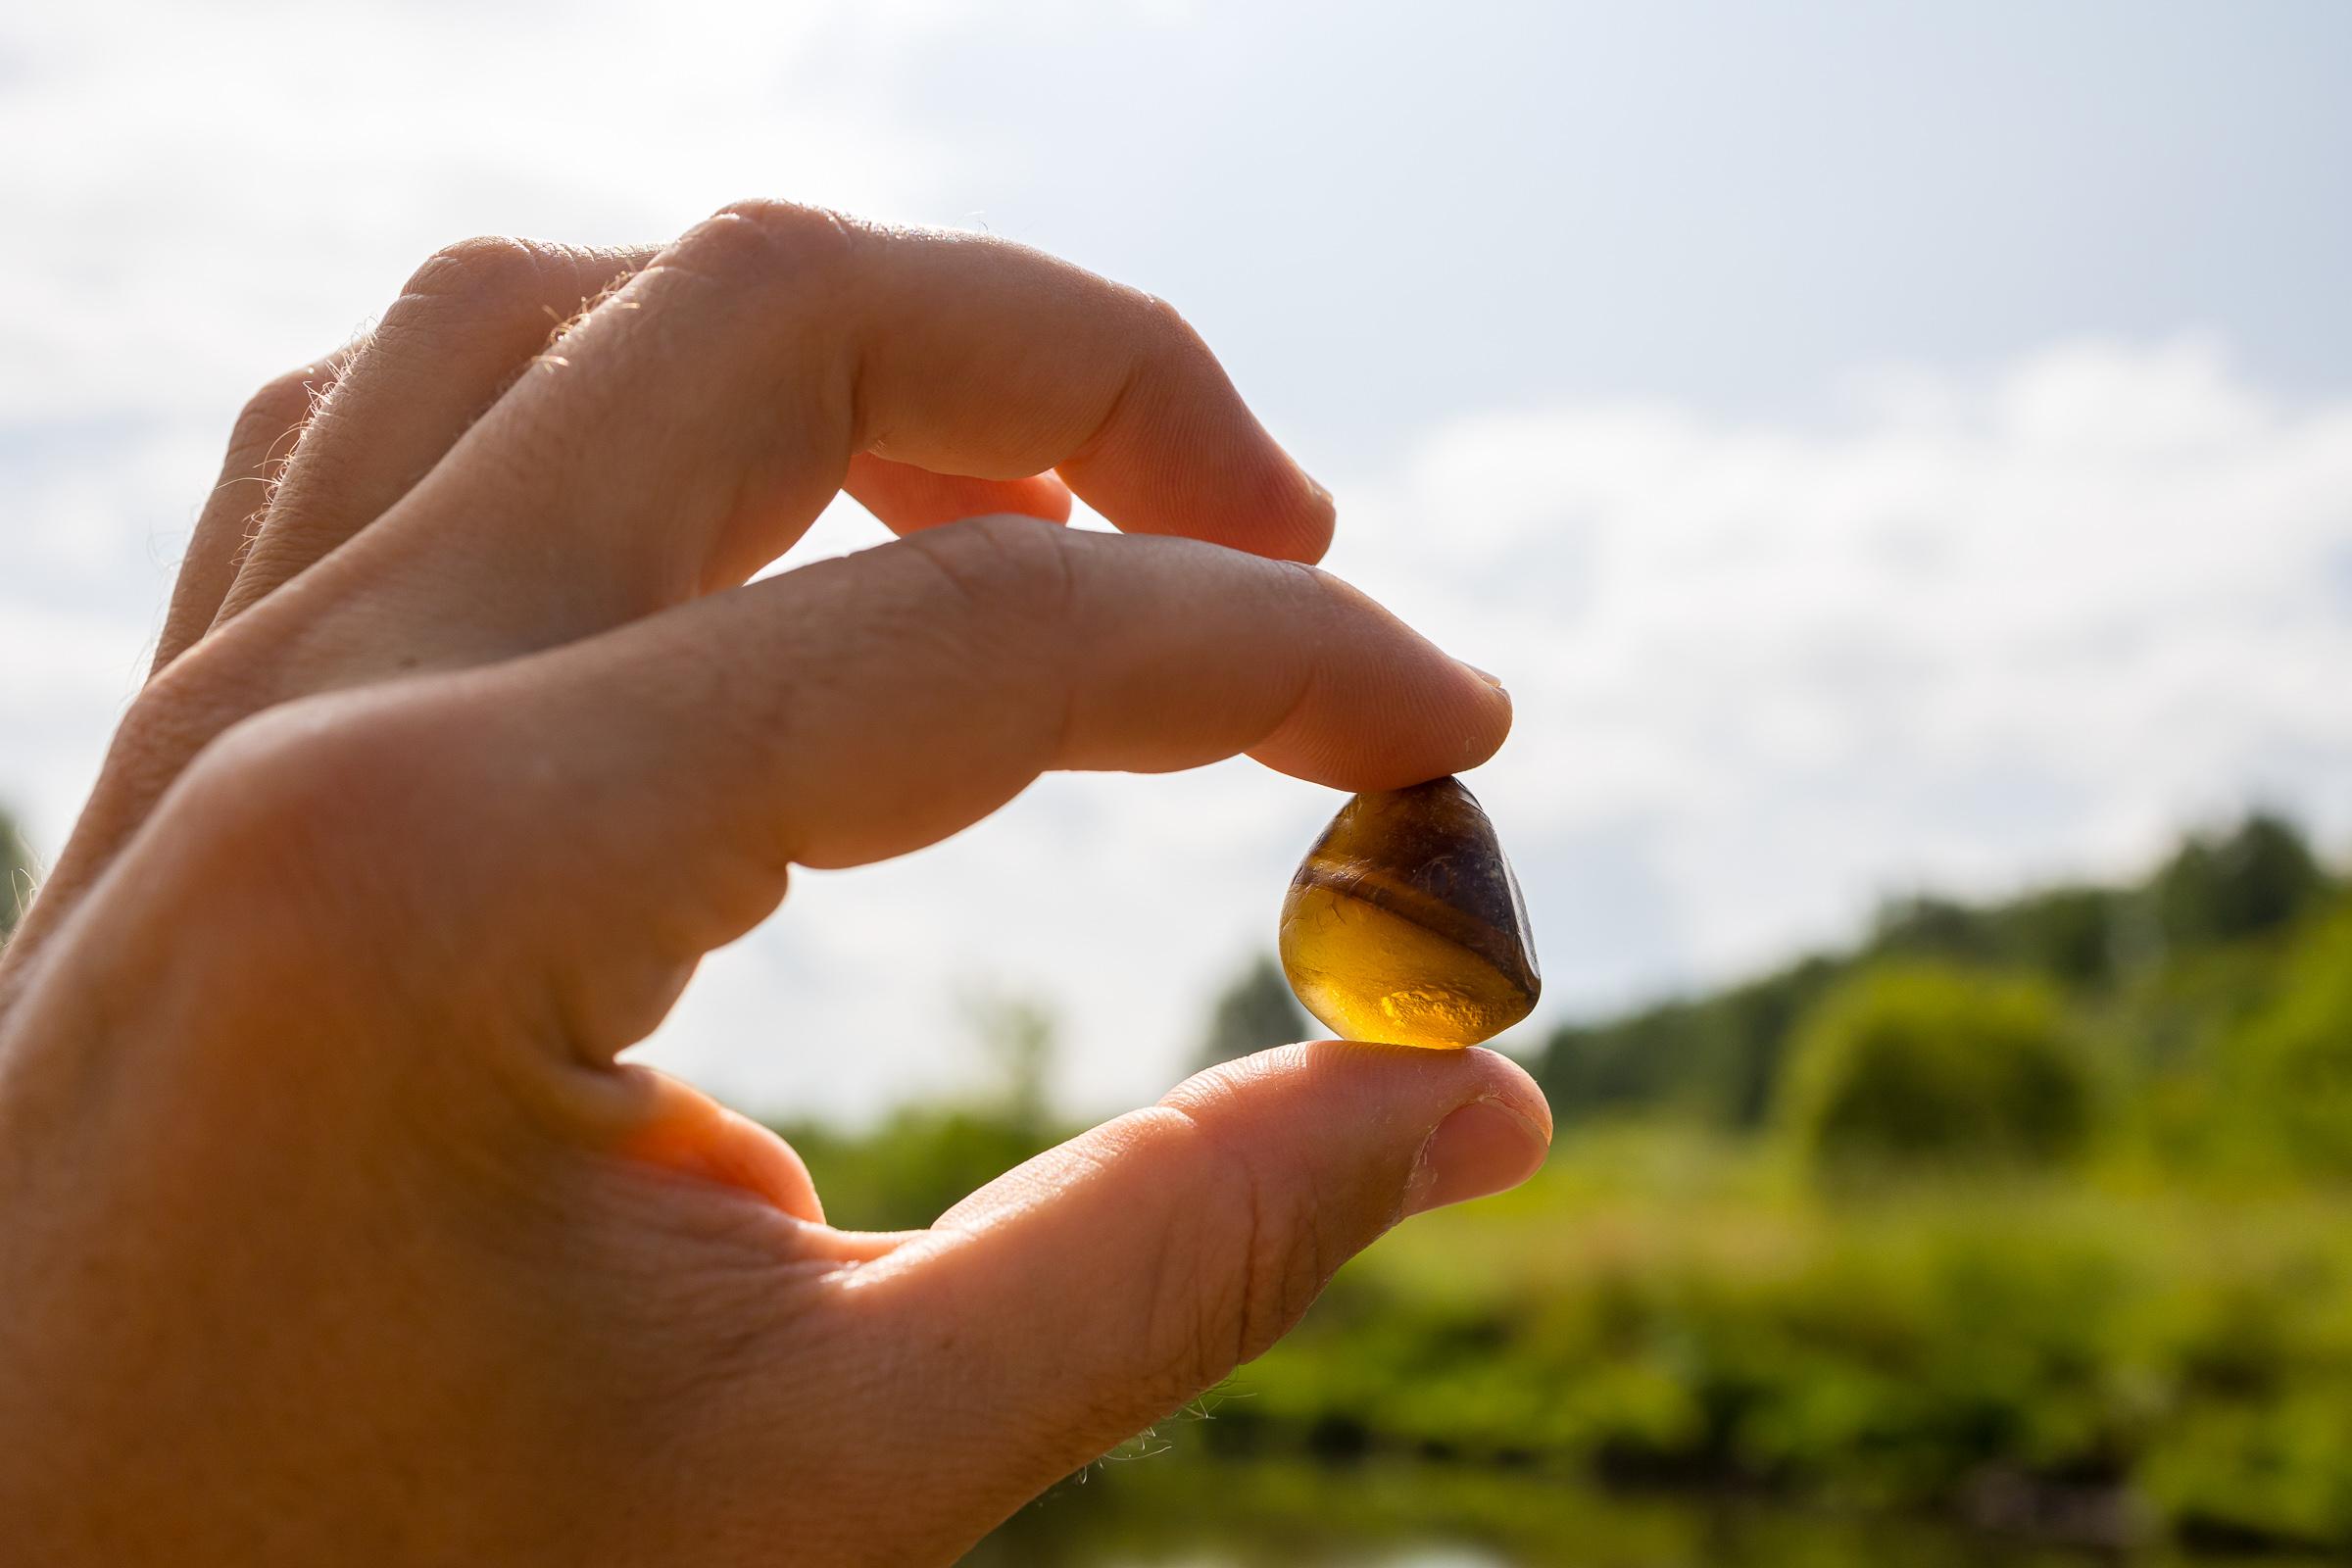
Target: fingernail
(1482, 1147)
(1491, 679)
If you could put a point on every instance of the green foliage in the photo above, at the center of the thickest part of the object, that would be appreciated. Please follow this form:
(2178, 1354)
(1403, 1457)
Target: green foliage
(2114, 950)
(915, 1166)
(1662, 1306)
(1255, 1011)
(1917, 1064)
(2219, 887)
(2266, 1473)
(2073, 1347)
(2287, 1070)
(1713, 1059)
(927, 1158)
(2072, 934)
(2144, 1332)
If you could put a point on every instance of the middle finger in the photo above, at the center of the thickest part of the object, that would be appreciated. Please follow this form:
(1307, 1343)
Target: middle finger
(702, 417)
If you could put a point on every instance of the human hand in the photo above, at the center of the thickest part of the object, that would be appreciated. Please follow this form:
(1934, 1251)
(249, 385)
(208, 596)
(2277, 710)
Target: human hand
(330, 1228)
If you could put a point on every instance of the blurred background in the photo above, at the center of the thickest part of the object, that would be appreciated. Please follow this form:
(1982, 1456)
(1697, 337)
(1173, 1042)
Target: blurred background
(1899, 458)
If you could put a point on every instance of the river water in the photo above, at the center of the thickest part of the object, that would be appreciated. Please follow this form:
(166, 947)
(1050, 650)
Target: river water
(1188, 1513)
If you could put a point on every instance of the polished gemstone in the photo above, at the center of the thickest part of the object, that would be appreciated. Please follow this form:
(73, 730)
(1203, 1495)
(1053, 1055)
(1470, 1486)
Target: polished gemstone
(1404, 923)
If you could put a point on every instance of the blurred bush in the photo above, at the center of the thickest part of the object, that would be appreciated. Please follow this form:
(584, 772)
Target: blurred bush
(915, 1166)
(1916, 1065)
(2042, 1357)
(2287, 1069)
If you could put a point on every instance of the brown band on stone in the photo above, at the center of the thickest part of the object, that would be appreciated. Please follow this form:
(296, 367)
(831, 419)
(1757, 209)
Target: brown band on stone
(1499, 951)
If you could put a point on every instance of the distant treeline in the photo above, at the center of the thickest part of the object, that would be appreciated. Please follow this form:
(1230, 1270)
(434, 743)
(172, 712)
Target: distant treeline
(2196, 1013)
(2155, 970)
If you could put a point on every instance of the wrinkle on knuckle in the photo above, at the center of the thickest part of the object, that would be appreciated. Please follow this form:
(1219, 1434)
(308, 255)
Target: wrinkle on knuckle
(1257, 1262)
(762, 730)
(1164, 343)
(1308, 597)
(764, 240)
(487, 274)
(167, 724)
(1016, 575)
(1309, 590)
(778, 280)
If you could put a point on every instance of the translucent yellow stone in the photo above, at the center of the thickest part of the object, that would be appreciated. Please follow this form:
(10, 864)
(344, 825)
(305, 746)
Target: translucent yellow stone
(1404, 923)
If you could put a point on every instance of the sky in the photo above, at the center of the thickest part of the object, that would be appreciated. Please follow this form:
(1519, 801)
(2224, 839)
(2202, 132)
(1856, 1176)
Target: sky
(1878, 446)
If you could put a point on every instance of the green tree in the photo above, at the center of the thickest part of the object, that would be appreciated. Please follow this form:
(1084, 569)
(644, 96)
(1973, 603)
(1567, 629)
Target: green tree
(1257, 1010)
(913, 1167)
(2288, 1071)
(2219, 887)
(1018, 1035)
(2069, 933)
(1922, 1065)
(1713, 1059)
(15, 874)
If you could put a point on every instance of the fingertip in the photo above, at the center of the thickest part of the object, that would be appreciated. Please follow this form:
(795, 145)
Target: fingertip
(908, 499)
(1390, 717)
(1294, 515)
(1479, 1120)
(1479, 1149)
(1040, 495)
(1489, 711)
(1314, 518)
(1516, 1087)
(1495, 1138)
(1370, 1079)
(1264, 505)
(680, 1129)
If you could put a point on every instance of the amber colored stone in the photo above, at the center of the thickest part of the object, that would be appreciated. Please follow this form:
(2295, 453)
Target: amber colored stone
(1404, 923)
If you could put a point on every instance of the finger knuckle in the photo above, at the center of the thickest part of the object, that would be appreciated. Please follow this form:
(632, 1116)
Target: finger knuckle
(1011, 568)
(1271, 1278)
(273, 798)
(268, 771)
(163, 726)
(275, 413)
(765, 239)
(1319, 598)
(1251, 1263)
(1168, 328)
(487, 273)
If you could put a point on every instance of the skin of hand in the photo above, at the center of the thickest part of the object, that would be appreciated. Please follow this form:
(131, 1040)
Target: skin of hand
(331, 1230)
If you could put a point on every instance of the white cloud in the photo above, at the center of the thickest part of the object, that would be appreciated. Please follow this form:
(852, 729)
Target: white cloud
(1980, 632)
(1984, 629)
(219, 191)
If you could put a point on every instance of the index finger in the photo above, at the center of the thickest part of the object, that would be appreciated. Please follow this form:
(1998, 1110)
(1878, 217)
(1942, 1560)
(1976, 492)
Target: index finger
(603, 813)
(694, 423)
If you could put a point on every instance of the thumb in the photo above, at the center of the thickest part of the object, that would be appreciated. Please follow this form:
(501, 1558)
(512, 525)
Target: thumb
(1084, 1295)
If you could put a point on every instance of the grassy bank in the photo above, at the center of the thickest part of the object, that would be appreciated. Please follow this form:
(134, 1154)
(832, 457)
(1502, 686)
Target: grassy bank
(2101, 1359)
(2080, 1361)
